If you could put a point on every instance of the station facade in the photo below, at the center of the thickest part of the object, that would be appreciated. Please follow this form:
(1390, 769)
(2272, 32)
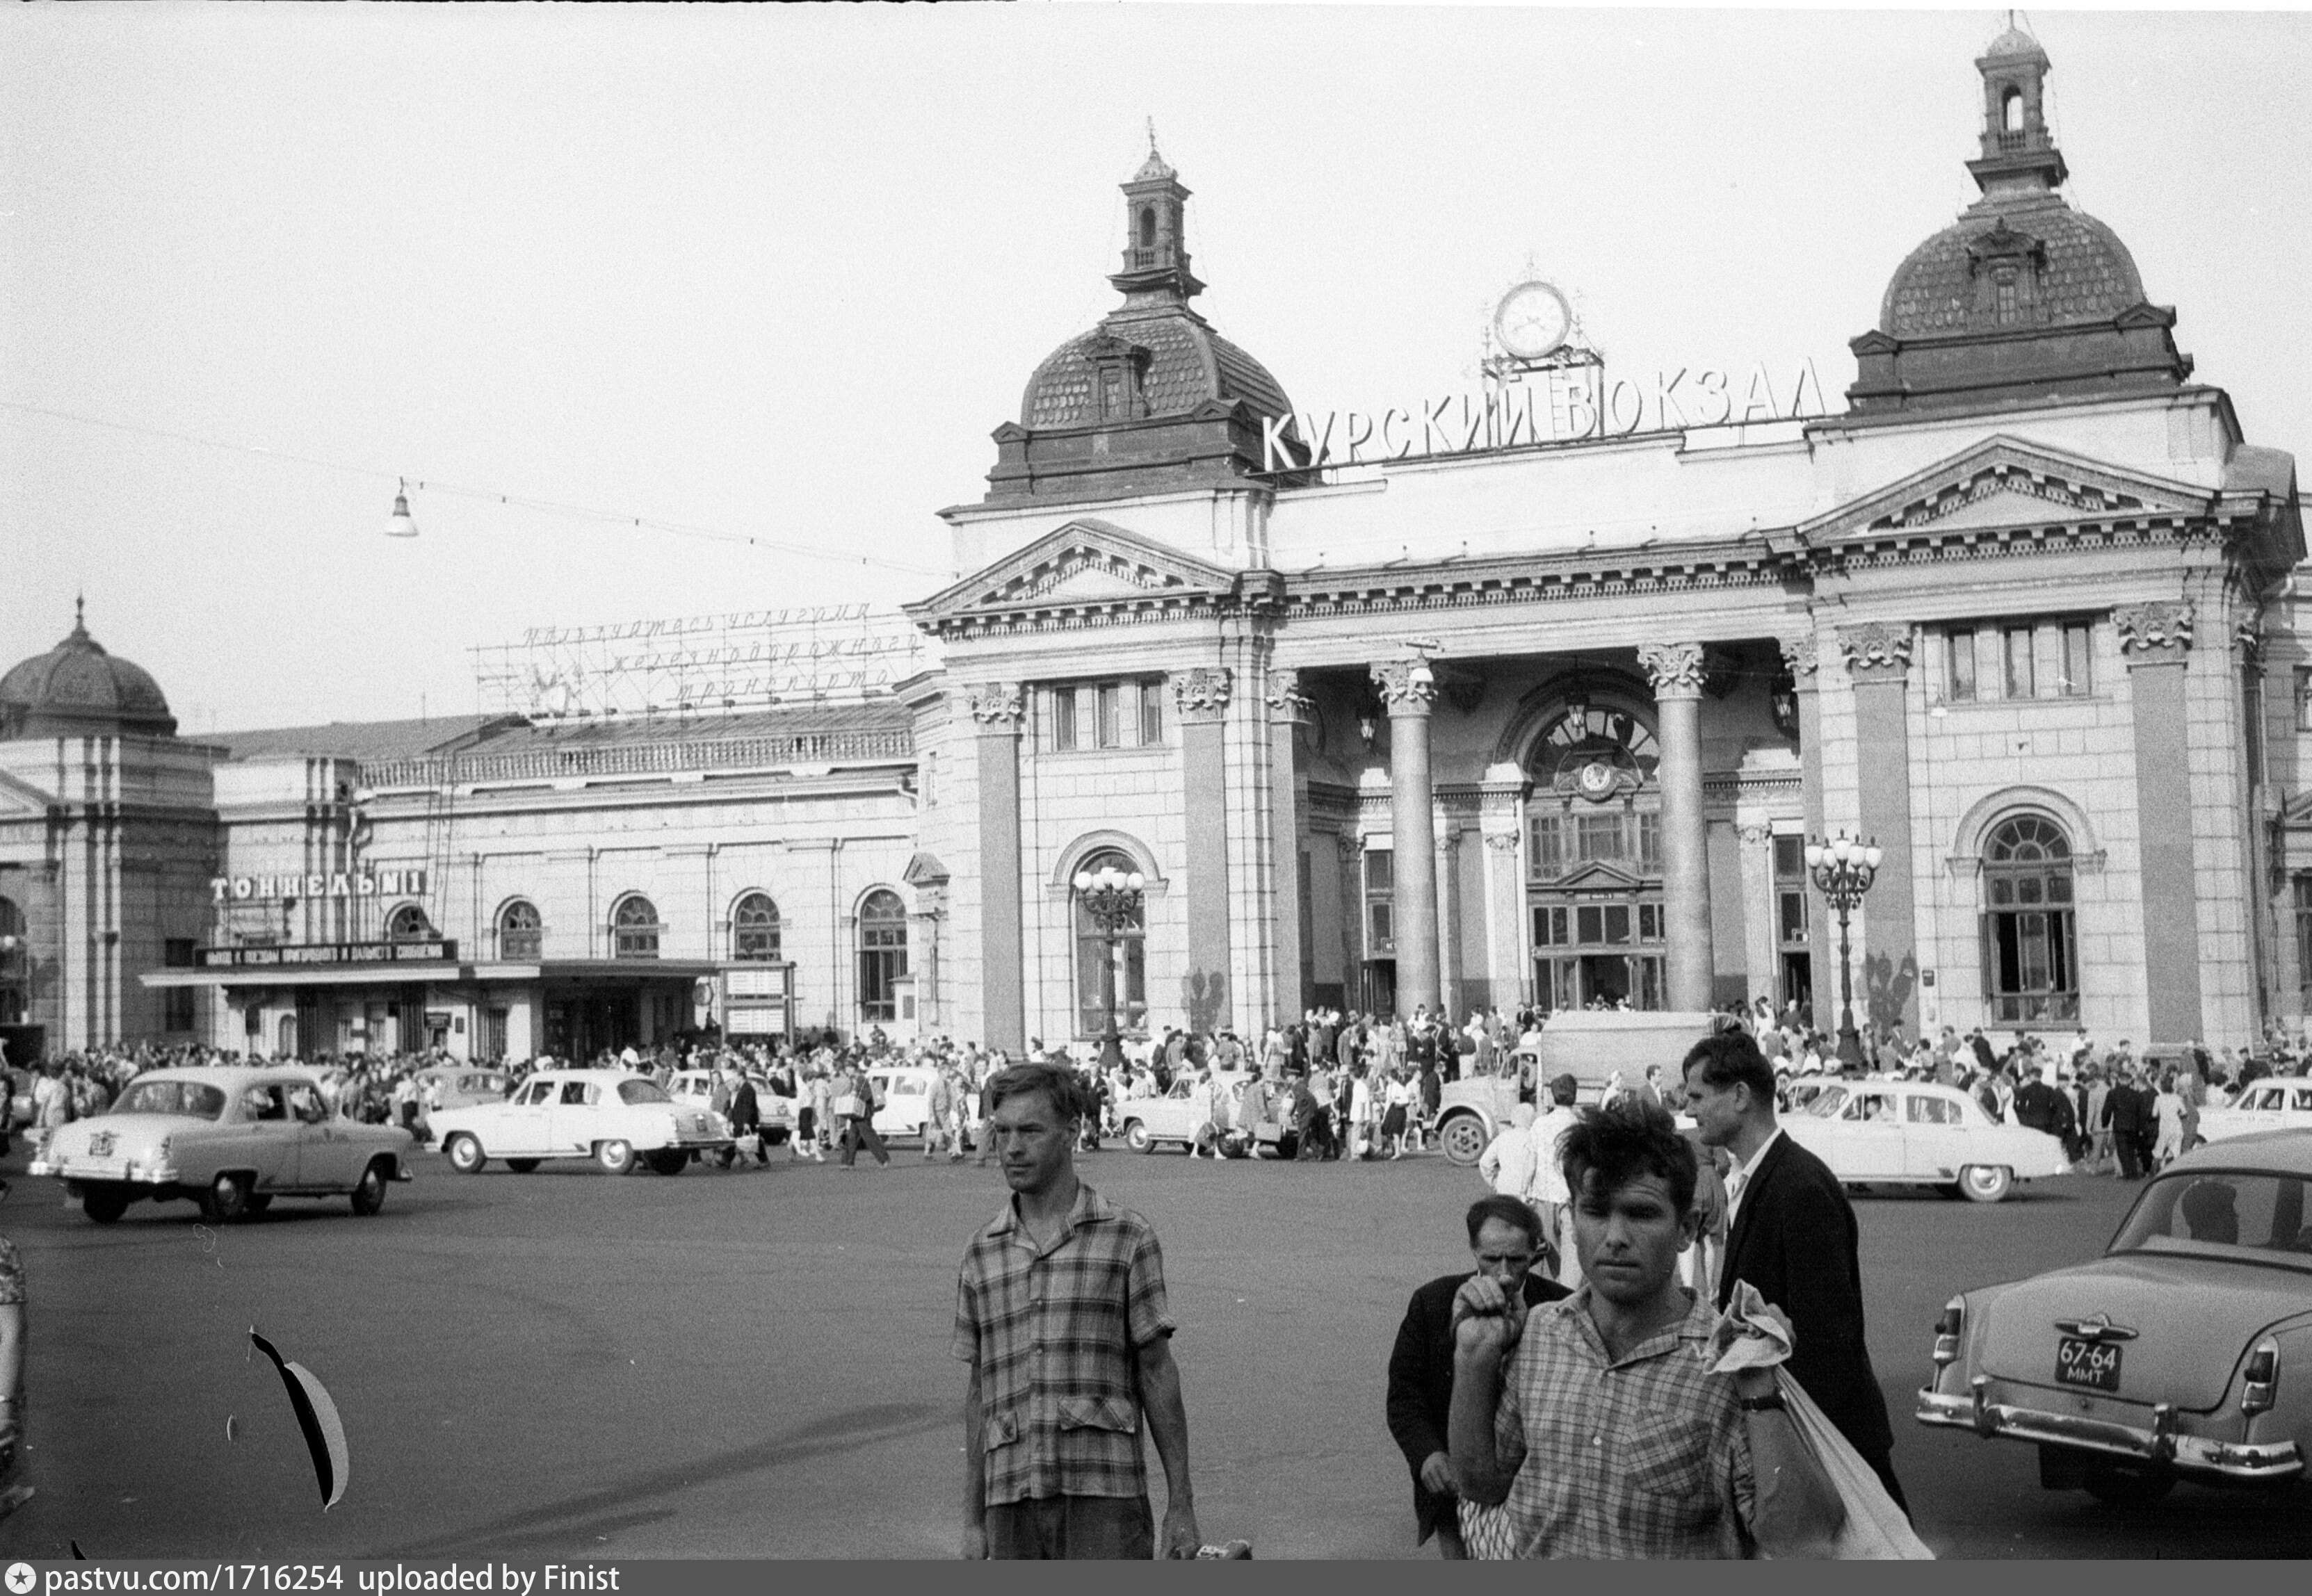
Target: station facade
(1533, 698)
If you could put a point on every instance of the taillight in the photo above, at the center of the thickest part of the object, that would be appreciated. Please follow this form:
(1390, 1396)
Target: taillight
(1949, 1331)
(2260, 1380)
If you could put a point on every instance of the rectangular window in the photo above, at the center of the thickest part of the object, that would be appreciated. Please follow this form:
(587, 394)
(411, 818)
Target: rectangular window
(2030, 963)
(1110, 698)
(1650, 922)
(1790, 858)
(1600, 836)
(1546, 847)
(1650, 845)
(1383, 923)
(1380, 913)
(1151, 713)
(1064, 718)
(1549, 928)
(2079, 660)
(2020, 677)
(1617, 923)
(1380, 870)
(1590, 924)
(1960, 689)
(177, 953)
(1791, 916)
(2304, 698)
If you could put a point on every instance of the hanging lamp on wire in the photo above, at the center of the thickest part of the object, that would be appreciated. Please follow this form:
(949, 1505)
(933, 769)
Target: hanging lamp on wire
(401, 526)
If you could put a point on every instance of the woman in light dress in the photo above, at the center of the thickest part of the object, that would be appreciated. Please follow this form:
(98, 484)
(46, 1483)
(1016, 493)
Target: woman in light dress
(2169, 1106)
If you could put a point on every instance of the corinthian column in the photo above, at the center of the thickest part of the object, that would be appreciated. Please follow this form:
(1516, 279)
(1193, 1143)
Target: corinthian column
(1408, 688)
(998, 709)
(1676, 672)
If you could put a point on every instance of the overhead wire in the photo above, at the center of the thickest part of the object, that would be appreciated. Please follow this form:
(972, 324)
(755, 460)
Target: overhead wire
(518, 501)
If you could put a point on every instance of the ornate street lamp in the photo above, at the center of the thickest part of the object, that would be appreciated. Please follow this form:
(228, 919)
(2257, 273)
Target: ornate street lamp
(1843, 869)
(1113, 898)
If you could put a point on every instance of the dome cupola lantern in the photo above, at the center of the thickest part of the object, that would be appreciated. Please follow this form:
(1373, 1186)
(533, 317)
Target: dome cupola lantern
(1153, 400)
(2025, 300)
(77, 689)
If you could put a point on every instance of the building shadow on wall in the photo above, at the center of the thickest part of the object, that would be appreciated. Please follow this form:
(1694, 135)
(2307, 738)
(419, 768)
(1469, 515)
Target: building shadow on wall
(1887, 987)
(1204, 994)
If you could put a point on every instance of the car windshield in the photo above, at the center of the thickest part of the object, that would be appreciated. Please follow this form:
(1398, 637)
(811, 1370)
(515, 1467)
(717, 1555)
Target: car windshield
(2221, 1213)
(192, 1099)
(640, 1091)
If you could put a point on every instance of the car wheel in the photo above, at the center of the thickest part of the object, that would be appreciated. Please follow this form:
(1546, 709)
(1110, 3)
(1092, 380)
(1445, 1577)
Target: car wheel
(2121, 1488)
(1464, 1139)
(104, 1205)
(1985, 1182)
(465, 1154)
(670, 1161)
(369, 1191)
(616, 1157)
(521, 1166)
(226, 1201)
(1137, 1138)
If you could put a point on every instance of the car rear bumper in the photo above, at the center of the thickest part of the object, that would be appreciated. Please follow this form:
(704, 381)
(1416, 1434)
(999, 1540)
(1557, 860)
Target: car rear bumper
(98, 1175)
(2163, 1444)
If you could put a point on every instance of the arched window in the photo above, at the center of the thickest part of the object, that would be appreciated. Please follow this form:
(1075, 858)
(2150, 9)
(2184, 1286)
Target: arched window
(15, 965)
(634, 929)
(1148, 227)
(521, 935)
(2030, 962)
(1093, 958)
(755, 928)
(882, 953)
(408, 924)
(2011, 111)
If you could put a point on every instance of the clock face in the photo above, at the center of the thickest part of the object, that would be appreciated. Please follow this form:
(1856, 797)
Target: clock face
(1596, 779)
(1533, 319)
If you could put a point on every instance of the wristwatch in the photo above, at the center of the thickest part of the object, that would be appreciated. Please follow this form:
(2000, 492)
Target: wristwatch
(1772, 1402)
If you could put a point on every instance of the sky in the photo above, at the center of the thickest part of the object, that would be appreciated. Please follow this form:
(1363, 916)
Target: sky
(777, 272)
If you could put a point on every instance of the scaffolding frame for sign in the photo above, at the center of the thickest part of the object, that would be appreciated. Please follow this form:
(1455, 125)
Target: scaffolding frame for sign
(700, 664)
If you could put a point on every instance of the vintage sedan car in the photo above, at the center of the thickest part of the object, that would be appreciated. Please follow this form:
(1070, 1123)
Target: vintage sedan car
(232, 1140)
(1916, 1133)
(907, 1093)
(1147, 1123)
(694, 1088)
(616, 1120)
(463, 1083)
(2262, 1105)
(2185, 1352)
(1471, 1113)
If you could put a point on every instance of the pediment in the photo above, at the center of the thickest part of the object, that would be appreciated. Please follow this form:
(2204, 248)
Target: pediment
(2004, 482)
(20, 800)
(1088, 562)
(1597, 875)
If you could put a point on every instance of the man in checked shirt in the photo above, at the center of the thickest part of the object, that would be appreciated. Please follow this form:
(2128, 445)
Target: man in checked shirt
(1060, 1312)
(1595, 1419)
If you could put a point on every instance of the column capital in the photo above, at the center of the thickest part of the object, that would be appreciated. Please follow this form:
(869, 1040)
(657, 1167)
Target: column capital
(2156, 634)
(1202, 693)
(1801, 656)
(1287, 704)
(997, 706)
(1755, 836)
(1349, 845)
(1877, 651)
(1408, 686)
(1501, 841)
(1675, 670)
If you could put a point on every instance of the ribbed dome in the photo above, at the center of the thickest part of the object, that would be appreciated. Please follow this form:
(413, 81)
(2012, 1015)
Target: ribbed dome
(2012, 44)
(2087, 276)
(76, 689)
(1187, 364)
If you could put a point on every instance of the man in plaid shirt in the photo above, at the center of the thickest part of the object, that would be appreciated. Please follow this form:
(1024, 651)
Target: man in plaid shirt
(1596, 1419)
(1060, 1312)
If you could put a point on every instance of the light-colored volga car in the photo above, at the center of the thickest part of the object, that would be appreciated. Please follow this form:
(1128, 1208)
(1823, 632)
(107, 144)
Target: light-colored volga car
(1874, 1133)
(1147, 1123)
(2262, 1105)
(462, 1083)
(907, 1093)
(694, 1088)
(2184, 1352)
(615, 1120)
(232, 1140)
